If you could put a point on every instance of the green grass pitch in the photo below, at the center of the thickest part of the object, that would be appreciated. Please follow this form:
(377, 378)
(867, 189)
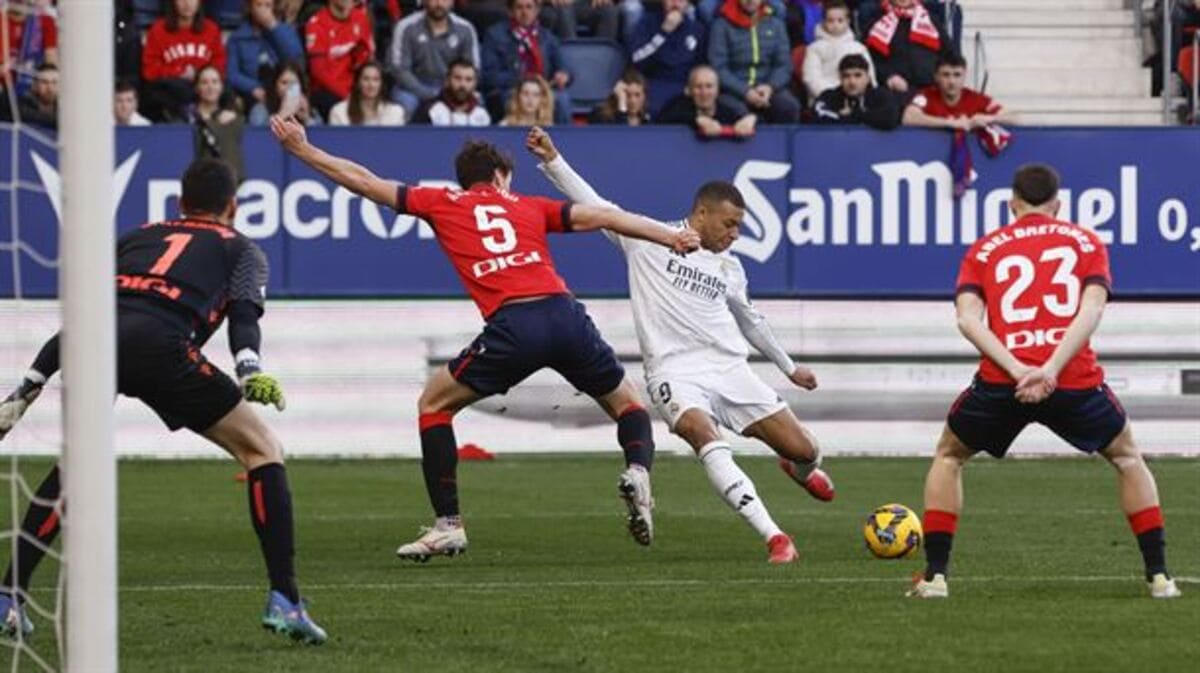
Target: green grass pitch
(1045, 574)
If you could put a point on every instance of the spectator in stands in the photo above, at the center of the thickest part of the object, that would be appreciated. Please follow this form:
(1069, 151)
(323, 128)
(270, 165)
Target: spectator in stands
(949, 104)
(531, 104)
(127, 44)
(626, 105)
(177, 46)
(367, 105)
(286, 81)
(856, 100)
(39, 106)
(32, 40)
(125, 104)
(339, 41)
(519, 48)
(459, 103)
(749, 49)
(217, 127)
(256, 48)
(702, 108)
(423, 46)
(834, 41)
(664, 46)
(905, 44)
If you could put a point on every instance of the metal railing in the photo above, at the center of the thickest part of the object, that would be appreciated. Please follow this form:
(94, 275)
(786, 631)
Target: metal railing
(980, 71)
(1194, 118)
(1168, 64)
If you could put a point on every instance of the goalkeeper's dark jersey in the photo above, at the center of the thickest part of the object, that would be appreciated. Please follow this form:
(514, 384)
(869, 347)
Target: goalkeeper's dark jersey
(190, 271)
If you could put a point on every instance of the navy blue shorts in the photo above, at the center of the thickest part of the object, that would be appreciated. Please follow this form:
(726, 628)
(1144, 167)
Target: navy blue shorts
(521, 338)
(988, 417)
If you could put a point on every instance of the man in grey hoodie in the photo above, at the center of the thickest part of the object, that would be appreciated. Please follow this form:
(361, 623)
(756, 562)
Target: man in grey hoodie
(424, 44)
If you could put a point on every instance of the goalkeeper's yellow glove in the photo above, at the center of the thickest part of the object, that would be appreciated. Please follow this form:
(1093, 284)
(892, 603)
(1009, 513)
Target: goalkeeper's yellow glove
(264, 389)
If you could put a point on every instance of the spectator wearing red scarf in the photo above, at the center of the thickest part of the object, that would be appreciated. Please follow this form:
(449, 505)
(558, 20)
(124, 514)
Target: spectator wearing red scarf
(905, 44)
(338, 39)
(177, 47)
(518, 48)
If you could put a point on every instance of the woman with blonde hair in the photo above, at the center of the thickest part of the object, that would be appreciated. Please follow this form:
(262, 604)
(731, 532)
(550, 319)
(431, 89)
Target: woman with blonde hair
(531, 103)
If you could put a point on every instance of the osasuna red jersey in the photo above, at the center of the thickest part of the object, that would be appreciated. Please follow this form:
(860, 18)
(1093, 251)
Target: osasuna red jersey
(1032, 274)
(496, 239)
(969, 104)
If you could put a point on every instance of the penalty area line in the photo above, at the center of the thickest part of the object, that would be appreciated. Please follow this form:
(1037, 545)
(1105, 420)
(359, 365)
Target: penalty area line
(606, 584)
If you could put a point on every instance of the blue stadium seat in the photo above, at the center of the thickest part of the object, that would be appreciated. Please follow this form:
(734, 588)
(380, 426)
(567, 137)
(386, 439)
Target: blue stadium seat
(595, 65)
(146, 11)
(227, 13)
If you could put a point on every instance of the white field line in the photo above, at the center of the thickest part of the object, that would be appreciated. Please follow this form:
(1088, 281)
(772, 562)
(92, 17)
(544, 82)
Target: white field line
(605, 584)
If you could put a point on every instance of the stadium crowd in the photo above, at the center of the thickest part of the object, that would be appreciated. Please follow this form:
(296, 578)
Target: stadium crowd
(721, 66)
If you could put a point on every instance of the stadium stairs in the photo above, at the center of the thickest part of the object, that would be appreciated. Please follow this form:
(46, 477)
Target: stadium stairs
(1063, 62)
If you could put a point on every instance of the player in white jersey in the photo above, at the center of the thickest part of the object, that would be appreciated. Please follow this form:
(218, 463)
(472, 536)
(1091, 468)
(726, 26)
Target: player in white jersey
(693, 319)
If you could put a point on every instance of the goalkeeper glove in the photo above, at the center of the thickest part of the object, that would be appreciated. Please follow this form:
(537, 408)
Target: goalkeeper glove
(259, 387)
(13, 407)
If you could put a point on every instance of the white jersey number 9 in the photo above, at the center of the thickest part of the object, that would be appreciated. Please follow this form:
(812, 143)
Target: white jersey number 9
(505, 238)
(1024, 269)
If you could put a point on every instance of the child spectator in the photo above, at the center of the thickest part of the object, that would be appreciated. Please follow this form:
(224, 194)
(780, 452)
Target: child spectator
(177, 46)
(664, 46)
(905, 44)
(257, 47)
(459, 103)
(702, 108)
(287, 80)
(627, 103)
(366, 105)
(531, 104)
(125, 104)
(338, 40)
(834, 41)
(856, 100)
(217, 128)
(748, 47)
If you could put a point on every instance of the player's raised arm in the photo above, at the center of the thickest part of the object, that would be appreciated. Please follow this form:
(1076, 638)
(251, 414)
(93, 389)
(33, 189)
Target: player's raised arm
(1037, 384)
(344, 172)
(971, 311)
(559, 172)
(44, 366)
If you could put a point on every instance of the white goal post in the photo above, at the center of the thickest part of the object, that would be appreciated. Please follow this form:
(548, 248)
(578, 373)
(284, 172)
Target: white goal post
(86, 273)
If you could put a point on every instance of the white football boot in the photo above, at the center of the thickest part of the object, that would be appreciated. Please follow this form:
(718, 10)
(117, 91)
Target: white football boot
(1162, 586)
(934, 588)
(435, 541)
(634, 488)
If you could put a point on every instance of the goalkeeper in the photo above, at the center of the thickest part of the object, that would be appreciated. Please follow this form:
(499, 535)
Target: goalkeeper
(177, 281)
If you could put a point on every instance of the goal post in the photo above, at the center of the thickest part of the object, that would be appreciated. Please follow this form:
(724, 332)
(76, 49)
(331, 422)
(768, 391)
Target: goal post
(86, 245)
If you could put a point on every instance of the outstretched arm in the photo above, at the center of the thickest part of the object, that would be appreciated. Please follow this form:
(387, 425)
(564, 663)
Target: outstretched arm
(559, 172)
(344, 172)
(44, 366)
(1037, 384)
(588, 218)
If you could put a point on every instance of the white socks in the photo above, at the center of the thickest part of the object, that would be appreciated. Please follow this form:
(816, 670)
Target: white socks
(736, 488)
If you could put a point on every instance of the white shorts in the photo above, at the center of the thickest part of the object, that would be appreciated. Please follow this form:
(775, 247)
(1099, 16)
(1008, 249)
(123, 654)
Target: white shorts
(736, 397)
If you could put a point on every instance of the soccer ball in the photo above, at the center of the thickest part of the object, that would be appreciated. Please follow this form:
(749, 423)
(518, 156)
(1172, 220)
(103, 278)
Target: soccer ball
(893, 531)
